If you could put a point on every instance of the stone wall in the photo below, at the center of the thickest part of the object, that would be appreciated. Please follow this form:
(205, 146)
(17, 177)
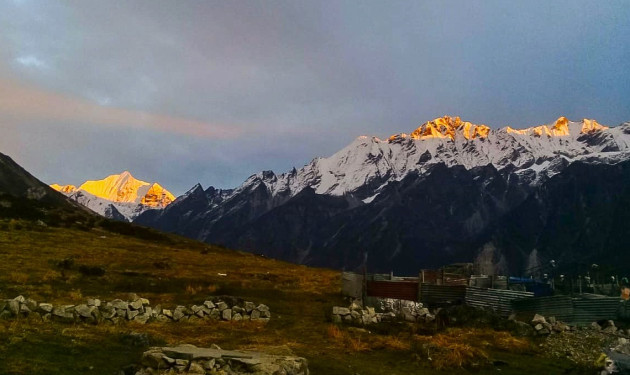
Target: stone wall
(189, 359)
(136, 309)
(356, 314)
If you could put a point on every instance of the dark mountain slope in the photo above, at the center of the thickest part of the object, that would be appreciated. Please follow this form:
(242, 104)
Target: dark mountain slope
(577, 218)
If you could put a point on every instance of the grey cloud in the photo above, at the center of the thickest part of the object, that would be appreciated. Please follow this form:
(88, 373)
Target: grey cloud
(300, 79)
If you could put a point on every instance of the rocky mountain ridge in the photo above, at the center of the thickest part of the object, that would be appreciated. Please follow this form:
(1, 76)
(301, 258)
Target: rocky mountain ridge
(407, 202)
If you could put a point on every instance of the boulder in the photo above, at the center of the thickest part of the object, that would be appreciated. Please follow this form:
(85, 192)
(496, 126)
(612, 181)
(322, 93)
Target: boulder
(179, 313)
(215, 314)
(255, 315)
(167, 313)
(209, 304)
(63, 313)
(221, 306)
(538, 319)
(14, 307)
(45, 307)
(340, 310)
(19, 299)
(120, 304)
(226, 314)
(262, 308)
(24, 310)
(157, 309)
(94, 302)
(196, 369)
(249, 306)
(237, 316)
(84, 311)
(132, 314)
(107, 312)
(136, 305)
(154, 358)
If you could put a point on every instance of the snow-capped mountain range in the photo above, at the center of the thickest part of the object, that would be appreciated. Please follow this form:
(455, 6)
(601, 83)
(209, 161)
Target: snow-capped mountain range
(536, 152)
(118, 196)
(411, 200)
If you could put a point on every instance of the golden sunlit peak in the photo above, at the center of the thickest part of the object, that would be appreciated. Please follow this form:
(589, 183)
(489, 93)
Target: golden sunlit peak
(446, 127)
(124, 187)
(67, 189)
(559, 128)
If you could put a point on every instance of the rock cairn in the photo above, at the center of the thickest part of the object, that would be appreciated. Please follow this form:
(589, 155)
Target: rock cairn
(189, 359)
(356, 314)
(136, 309)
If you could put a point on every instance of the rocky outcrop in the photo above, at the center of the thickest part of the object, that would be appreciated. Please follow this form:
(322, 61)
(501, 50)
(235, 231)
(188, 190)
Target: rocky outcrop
(189, 359)
(135, 309)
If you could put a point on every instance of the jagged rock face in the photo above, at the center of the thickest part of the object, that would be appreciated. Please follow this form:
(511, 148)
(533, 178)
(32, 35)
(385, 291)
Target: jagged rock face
(120, 197)
(409, 202)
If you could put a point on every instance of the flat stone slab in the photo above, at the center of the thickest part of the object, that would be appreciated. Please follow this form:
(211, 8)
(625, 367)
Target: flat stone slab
(213, 360)
(191, 352)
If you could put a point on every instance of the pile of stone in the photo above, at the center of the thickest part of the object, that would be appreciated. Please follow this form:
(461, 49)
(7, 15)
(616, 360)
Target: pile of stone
(544, 327)
(547, 326)
(356, 314)
(189, 359)
(135, 309)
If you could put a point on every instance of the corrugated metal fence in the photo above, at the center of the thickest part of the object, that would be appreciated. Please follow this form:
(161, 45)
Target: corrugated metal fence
(559, 306)
(580, 310)
(498, 300)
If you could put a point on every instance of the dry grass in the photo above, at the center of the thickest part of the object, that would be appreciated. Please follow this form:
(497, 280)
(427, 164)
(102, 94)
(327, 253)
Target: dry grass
(187, 272)
(467, 348)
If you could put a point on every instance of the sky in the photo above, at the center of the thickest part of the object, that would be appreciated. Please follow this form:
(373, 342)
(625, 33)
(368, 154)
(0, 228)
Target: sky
(181, 92)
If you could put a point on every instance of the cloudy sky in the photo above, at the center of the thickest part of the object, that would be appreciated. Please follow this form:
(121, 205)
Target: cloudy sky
(182, 92)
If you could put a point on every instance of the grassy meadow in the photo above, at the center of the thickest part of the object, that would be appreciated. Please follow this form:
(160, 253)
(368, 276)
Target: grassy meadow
(48, 264)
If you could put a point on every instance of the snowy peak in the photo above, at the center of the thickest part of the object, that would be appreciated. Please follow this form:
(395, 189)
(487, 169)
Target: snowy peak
(128, 195)
(66, 189)
(125, 188)
(368, 164)
(157, 196)
(562, 127)
(446, 127)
